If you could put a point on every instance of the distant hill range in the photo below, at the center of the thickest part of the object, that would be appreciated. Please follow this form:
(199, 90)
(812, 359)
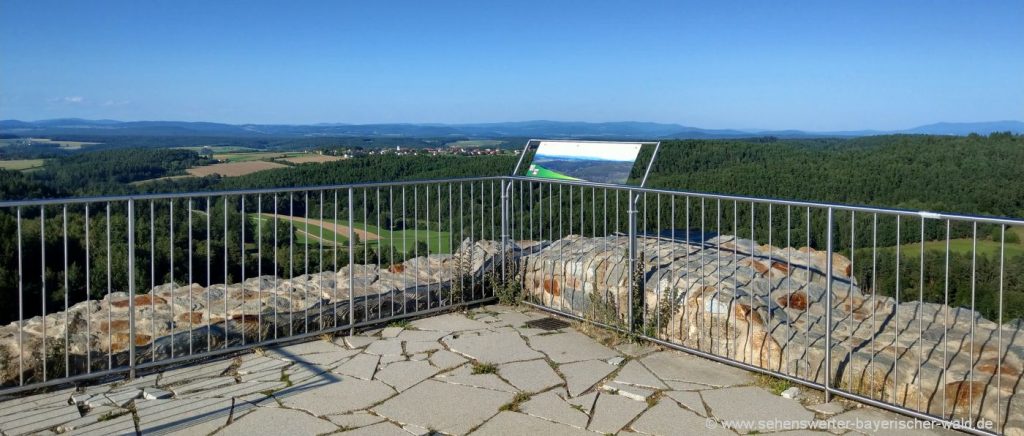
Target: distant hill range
(535, 129)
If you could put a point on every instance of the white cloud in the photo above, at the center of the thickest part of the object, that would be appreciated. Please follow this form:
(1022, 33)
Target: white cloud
(72, 99)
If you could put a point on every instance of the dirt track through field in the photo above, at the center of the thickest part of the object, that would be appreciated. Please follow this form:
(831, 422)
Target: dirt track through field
(327, 225)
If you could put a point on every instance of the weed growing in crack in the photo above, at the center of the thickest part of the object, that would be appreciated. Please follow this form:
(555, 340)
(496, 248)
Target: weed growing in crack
(513, 406)
(484, 368)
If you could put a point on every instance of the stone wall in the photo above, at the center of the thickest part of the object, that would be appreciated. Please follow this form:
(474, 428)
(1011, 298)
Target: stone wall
(766, 307)
(177, 320)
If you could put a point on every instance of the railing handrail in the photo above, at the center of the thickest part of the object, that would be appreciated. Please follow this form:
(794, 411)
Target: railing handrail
(989, 219)
(200, 194)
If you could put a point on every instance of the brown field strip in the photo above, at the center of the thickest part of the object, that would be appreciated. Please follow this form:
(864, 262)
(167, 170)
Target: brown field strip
(312, 159)
(233, 169)
(327, 225)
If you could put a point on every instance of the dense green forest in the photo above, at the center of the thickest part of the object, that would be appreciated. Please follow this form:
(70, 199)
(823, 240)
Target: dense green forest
(973, 174)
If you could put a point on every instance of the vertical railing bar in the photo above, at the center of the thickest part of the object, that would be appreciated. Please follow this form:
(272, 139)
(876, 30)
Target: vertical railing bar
(391, 232)
(426, 256)
(131, 289)
(657, 244)
(768, 278)
(241, 242)
(945, 321)
(88, 292)
(849, 295)
(334, 300)
(416, 244)
(999, 323)
(291, 262)
(21, 305)
(305, 261)
(828, 308)
(209, 277)
(806, 314)
(42, 275)
(67, 291)
(259, 266)
(718, 268)
(703, 273)
(277, 319)
(974, 282)
(352, 259)
(405, 255)
(896, 313)
(789, 275)
(320, 252)
(672, 258)
(152, 279)
(472, 239)
(735, 260)
(191, 303)
(379, 251)
(874, 291)
(572, 217)
(753, 258)
(451, 239)
(632, 233)
(227, 322)
(561, 255)
(920, 315)
(439, 240)
(110, 287)
(170, 240)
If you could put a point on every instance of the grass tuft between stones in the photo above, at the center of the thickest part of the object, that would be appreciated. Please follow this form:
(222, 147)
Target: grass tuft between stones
(484, 368)
(513, 406)
(774, 384)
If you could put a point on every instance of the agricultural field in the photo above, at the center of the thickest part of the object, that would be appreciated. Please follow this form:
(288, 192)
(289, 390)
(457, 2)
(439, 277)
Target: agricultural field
(966, 245)
(311, 158)
(47, 141)
(219, 148)
(370, 235)
(234, 169)
(255, 156)
(21, 164)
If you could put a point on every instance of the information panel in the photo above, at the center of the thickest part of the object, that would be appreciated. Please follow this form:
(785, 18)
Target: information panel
(599, 162)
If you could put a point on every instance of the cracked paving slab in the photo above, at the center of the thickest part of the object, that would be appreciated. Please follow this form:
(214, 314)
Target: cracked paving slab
(345, 394)
(444, 407)
(511, 423)
(493, 348)
(416, 381)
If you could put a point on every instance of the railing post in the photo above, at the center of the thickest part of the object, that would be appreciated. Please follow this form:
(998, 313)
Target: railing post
(631, 232)
(828, 308)
(131, 288)
(504, 228)
(351, 264)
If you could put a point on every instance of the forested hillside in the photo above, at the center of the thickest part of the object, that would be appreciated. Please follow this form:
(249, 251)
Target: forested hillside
(974, 174)
(965, 174)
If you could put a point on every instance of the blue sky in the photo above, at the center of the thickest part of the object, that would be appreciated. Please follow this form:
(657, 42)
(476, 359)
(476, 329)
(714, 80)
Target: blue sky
(813, 65)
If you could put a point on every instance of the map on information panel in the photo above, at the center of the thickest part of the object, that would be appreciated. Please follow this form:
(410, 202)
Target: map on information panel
(599, 162)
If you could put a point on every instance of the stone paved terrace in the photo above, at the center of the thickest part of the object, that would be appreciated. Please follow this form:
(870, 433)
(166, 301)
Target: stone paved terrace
(479, 372)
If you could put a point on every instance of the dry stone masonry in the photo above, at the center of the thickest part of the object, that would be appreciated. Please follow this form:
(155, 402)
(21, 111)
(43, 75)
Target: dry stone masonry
(766, 306)
(757, 304)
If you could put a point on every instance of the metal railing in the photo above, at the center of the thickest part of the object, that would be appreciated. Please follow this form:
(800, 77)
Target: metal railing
(149, 280)
(905, 310)
(916, 312)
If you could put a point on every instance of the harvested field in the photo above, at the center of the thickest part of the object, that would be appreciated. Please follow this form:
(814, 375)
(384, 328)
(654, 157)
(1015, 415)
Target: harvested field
(313, 158)
(233, 169)
(21, 164)
(327, 226)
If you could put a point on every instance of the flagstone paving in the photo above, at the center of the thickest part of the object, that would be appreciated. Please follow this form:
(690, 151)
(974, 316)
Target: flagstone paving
(479, 372)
